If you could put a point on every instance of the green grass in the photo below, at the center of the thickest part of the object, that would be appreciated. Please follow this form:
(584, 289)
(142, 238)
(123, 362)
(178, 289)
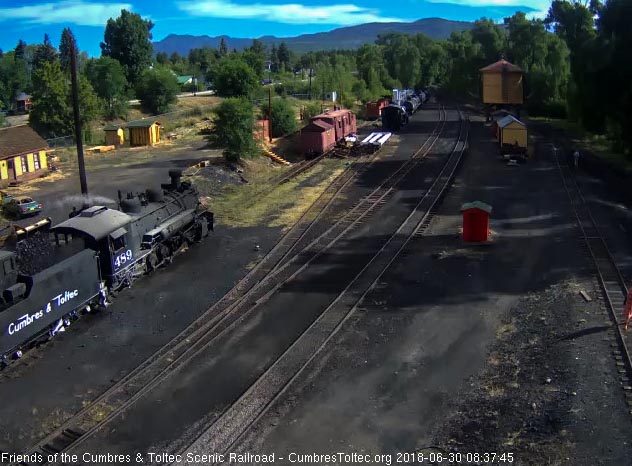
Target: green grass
(262, 202)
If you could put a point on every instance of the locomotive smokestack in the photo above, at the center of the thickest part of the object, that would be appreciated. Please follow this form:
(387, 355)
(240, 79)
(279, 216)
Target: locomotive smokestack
(175, 176)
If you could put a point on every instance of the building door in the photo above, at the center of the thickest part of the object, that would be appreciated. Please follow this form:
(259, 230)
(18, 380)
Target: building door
(11, 170)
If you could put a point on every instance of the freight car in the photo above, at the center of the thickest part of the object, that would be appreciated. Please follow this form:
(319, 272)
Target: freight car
(394, 117)
(51, 274)
(326, 130)
(411, 104)
(374, 108)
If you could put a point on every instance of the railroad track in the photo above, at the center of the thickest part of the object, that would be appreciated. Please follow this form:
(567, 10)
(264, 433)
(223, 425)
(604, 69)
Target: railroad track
(297, 168)
(226, 432)
(300, 167)
(304, 165)
(610, 279)
(223, 315)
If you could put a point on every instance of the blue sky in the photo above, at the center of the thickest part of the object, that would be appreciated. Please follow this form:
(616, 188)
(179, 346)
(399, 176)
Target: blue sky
(29, 20)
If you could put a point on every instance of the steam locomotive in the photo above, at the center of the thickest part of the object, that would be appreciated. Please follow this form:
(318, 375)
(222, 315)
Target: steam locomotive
(404, 104)
(49, 275)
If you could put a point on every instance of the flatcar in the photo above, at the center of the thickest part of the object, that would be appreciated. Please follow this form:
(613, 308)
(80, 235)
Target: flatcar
(49, 275)
(326, 130)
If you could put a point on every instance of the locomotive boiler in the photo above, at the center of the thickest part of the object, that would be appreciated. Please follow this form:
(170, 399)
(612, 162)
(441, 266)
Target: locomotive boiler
(48, 275)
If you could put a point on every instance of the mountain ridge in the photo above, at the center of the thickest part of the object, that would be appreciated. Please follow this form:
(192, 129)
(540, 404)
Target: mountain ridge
(349, 37)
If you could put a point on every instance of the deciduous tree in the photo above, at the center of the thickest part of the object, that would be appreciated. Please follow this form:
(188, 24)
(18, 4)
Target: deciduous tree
(283, 119)
(233, 77)
(128, 40)
(157, 89)
(107, 77)
(234, 123)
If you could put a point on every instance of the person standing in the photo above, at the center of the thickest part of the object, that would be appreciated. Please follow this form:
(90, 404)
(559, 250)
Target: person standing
(576, 158)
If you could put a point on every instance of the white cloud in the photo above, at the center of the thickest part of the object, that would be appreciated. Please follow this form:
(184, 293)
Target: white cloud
(539, 8)
(76, 12)
(345, 14)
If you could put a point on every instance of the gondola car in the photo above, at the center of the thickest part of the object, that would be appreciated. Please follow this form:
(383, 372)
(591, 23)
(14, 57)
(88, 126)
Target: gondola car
(50, 274)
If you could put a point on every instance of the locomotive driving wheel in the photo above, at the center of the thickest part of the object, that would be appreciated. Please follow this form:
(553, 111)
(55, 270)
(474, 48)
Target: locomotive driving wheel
(152, 262)
(164, 254)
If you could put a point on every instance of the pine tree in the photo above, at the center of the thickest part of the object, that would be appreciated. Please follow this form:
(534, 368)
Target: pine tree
(45, 53)
(20, 50)
(223, 48)
(65, 47)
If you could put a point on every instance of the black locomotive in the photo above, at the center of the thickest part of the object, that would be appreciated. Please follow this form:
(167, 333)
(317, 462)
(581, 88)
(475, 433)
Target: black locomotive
(48, 275)
(394, 117)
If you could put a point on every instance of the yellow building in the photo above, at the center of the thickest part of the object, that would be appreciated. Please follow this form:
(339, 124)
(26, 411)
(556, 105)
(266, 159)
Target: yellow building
(502, 83)
(22, 155)
(512, 132)
(114, 135)
(144, 132)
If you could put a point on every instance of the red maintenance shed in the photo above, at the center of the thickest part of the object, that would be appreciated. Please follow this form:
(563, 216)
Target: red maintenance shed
(476, 221)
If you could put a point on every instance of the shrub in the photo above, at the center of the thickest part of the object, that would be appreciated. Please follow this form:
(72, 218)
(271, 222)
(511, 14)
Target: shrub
(283, 119)
(157, 90)
(311, 110)
(234, 123)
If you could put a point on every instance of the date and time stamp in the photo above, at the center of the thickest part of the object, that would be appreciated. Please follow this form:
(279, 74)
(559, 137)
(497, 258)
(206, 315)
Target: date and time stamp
(420, 457)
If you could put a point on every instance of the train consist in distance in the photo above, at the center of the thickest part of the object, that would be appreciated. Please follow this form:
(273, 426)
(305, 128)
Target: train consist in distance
(50, 274)
(404, 104)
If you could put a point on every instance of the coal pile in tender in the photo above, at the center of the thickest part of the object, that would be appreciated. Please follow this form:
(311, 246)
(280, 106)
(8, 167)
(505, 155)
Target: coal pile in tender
(34, 254)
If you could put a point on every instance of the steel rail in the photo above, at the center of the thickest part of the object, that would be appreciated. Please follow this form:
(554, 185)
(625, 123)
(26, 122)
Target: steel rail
(83, 423)
(224, 325)
(225, 433)
(609, 276)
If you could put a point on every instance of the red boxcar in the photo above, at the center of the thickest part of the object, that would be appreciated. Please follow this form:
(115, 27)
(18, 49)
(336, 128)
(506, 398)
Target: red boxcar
(343, 121)
(317, 137)
(327, 129)
(374, 109)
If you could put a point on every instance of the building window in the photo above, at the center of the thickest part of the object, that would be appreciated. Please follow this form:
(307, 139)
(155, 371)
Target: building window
(25, 167)
(36, 161)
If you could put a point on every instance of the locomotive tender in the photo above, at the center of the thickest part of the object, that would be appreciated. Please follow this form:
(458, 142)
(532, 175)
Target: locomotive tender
(51, 274)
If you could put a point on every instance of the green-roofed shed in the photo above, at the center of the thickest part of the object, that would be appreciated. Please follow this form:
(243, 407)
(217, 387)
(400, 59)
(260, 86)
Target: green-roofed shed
(114, 135)
(144, 132)
(477, 205)
(182, 80)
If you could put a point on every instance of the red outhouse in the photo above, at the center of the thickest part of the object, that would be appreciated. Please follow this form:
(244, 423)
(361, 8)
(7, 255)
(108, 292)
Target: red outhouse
(476, 221)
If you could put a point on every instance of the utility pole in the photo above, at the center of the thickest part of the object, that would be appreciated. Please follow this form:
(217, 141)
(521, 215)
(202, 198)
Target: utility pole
(75, 108)
(270, 113)
(310, 83)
